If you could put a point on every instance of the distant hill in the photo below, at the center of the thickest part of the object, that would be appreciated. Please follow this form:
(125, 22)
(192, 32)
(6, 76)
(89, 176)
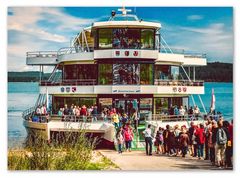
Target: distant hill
(32, 76)
(213, 72)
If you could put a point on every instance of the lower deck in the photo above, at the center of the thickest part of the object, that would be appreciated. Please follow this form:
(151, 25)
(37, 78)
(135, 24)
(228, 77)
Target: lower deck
(123, 103)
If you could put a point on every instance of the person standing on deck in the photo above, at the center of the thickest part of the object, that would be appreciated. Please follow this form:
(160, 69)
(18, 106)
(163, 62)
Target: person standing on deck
(196, 112)
(135, 119)
(148, 140)
(95, 112)
(115, 119)
(182, 112)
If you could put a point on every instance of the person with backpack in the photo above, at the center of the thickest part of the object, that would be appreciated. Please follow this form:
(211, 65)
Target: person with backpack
(221, 142)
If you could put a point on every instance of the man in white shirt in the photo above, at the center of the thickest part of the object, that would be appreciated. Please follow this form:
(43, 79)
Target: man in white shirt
(148, 140)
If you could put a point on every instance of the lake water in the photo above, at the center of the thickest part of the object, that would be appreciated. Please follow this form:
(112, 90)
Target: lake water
(22, 96)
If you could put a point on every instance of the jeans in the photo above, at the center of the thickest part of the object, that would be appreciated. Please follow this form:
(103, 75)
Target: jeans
(119, 148)
(200, 150)
(128, 144)
(148, 141)
(212, 154)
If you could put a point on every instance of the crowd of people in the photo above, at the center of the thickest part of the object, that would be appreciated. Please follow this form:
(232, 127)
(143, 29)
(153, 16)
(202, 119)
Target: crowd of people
(212, 140)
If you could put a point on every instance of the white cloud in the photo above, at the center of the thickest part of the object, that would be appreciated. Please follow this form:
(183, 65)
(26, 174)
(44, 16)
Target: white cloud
(216, 40)
(195, 17)
(25, 20)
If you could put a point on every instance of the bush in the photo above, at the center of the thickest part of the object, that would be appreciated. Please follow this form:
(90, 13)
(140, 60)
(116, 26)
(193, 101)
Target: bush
(68, 151)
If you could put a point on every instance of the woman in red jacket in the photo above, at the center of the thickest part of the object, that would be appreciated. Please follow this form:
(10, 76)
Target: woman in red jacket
(200, 139)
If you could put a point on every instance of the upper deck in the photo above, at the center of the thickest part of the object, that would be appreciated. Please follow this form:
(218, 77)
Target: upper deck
(123, 36)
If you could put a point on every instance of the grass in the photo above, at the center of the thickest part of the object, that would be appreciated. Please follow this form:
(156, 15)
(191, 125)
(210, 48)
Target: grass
(68, 151)
(104, 164)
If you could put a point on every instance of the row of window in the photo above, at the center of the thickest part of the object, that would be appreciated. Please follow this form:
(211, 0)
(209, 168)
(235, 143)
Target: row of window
(161, 105)
(124, 38)
(122, 73)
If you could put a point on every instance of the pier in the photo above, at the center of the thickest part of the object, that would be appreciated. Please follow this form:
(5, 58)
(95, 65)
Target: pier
(137, 160)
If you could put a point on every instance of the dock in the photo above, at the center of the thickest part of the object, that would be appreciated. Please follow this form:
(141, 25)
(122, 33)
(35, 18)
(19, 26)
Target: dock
(139, 161)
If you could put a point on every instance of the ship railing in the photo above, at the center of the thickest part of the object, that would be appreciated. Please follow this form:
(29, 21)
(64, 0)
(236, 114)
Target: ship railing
(28, 112)
(43, 54)
(187, 54)
(69, 82)
(169, 118)
(73, 50)
(164, 82)
(194, 55)
(89, 118)
(173, 50)
(38, 118)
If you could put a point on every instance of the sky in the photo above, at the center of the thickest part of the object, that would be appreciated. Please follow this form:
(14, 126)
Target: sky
(207, 30)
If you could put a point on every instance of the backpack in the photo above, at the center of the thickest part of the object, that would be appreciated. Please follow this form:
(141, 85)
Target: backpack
(221, 137)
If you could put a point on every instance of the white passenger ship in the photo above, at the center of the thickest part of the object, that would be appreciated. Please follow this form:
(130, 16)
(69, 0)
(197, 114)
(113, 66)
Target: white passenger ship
(121, 63)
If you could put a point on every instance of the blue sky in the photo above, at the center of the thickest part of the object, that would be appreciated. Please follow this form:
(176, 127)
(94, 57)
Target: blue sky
(196, 29)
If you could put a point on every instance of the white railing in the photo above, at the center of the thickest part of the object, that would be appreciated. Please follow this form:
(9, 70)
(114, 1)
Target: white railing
(44, 54)
(178, 82)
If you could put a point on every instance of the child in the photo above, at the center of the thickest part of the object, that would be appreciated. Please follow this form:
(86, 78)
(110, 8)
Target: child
(120, 139)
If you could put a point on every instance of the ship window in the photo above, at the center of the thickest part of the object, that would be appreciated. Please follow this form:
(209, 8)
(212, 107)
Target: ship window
(147, 39)
(105, 38)
(145, 109)
(174, 72)
(105, 74)
(124, 38)
(162, 72)
(70, 71)
(161, 105)
(88, 102)
(126, 74)
(146, 74)
(105, 103)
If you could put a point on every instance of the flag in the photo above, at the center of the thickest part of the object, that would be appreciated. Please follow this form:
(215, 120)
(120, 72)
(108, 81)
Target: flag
(213, 100)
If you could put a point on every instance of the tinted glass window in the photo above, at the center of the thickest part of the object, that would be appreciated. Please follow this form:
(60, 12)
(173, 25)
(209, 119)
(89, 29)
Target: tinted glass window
(105, 38)
(147, 39)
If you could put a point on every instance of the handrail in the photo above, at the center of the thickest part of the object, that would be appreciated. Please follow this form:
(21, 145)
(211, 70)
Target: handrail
(161, 82)
(42, 54)
(195, 55)
(178, 82)
(69, 82)
(28, 111)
